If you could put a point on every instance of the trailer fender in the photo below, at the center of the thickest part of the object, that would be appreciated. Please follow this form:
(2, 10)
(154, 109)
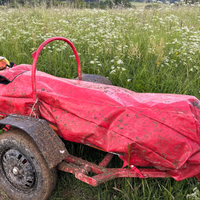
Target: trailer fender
(48, 142)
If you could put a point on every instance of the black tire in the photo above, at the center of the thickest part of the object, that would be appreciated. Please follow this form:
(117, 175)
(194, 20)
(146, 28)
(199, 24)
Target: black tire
(24, 174)
(96, 79)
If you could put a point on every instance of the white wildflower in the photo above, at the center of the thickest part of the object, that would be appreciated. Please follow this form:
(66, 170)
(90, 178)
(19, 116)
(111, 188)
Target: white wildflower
(120, 62)
(112, 67)
(58, 49)
(113, 71)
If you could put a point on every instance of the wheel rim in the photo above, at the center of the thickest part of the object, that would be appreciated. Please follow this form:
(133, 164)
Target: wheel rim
(18, 170)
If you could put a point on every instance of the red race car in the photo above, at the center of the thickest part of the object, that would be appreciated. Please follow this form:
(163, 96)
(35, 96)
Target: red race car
(158, 132)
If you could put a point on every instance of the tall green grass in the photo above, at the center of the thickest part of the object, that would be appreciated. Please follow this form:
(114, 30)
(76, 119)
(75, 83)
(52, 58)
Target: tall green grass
(143, 50)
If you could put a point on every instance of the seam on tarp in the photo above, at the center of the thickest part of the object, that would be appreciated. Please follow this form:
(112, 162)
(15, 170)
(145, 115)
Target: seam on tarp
(10, 81)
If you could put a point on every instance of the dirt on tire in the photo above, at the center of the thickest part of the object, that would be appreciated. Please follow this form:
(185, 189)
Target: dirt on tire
(46, 178)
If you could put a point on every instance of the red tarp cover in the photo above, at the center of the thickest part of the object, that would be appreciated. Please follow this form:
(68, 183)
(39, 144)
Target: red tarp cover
(160, 130)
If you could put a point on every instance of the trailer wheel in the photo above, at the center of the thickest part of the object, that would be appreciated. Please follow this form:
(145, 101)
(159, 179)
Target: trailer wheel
(24, 173)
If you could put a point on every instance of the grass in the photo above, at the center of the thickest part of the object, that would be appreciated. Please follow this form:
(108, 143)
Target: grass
(143, 50)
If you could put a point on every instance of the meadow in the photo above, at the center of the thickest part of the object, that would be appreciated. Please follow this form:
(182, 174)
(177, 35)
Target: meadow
(155, 50)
